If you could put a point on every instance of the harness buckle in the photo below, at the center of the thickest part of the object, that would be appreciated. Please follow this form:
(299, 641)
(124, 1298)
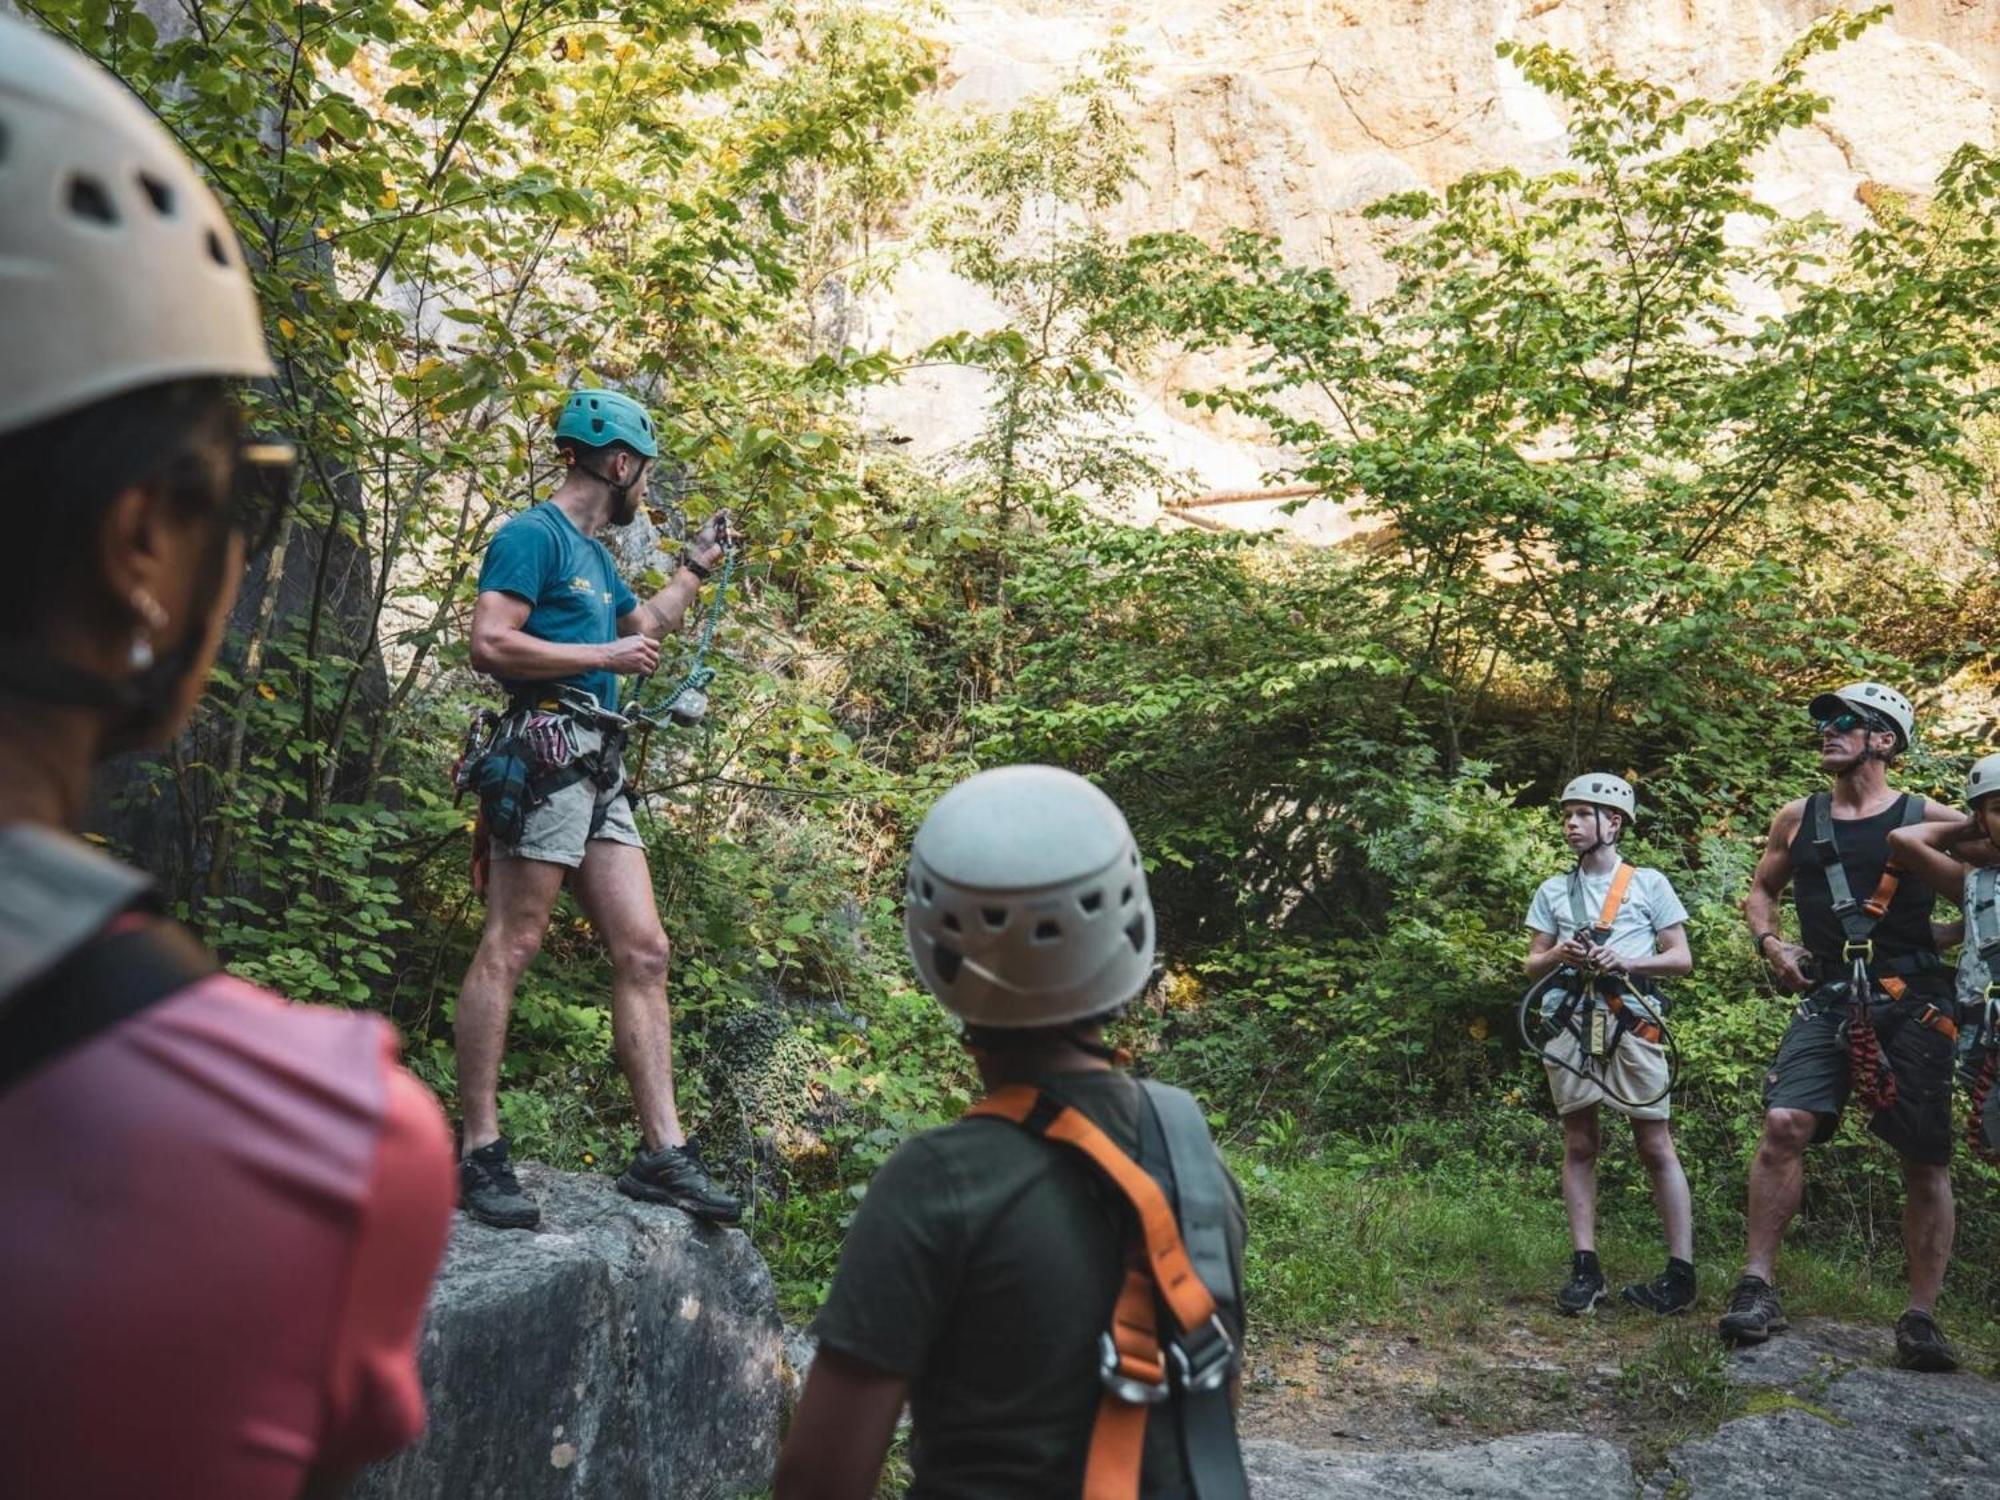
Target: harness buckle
(1131, 1381)
(1207, 1367)
(1862, 952)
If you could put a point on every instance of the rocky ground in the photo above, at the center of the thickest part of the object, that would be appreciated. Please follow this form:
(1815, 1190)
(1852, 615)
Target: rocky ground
(1595, 1411)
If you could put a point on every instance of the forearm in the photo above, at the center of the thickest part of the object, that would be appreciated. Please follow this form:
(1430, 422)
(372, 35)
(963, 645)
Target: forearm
(1538, 965)
(1760, 914)
(1659, 966)
(520, 657)
(665, 613)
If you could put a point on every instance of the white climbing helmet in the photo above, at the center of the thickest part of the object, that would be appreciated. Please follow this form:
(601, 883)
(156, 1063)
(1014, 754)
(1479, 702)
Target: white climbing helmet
(118, 268)
(1869, 697)
(1602, 789)
(1983, 780)
(1027, 902)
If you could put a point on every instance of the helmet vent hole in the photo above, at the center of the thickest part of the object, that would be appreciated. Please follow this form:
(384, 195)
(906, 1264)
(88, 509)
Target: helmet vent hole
(1125, 896)
(216, 252)
(1047, 930)
(3, 140)
(950, 921)
(1135, 933)
(158, 194)
(89, 200)
(995, 917)
(947, 961)
(1092, 903)
(930, 891)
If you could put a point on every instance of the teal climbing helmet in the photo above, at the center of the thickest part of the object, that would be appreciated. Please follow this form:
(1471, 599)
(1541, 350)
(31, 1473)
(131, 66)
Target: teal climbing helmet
(597, 418)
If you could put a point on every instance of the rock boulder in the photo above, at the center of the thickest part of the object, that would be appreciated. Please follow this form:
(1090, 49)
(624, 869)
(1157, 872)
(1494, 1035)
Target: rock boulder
(621, 1350)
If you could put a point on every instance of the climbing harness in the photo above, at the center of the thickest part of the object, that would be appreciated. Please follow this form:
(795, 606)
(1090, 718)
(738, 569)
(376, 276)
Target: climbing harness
(519, 757)
(1874, 1080)
(1591, 1007)
(1982, 1058)
(1179, 1259)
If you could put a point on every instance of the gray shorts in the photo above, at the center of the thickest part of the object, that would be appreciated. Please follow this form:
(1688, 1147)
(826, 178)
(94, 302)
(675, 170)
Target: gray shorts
(558, 830)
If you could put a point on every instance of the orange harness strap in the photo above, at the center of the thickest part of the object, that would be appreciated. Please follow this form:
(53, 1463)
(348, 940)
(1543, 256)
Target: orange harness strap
(1614, 898)
(1161, 1267)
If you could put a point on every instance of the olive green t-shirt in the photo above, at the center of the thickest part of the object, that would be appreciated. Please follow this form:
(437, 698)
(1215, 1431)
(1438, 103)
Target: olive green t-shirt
(981, 1268)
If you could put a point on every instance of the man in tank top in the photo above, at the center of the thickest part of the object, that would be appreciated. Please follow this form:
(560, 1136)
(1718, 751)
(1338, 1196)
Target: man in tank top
(1876, 1021)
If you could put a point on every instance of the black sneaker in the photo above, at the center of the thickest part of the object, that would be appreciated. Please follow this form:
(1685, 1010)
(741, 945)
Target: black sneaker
(1584, 1289)
(675, 1175)
(1754, 1312)
(1920, 1346)
(489, 1191)
(1668, 1293)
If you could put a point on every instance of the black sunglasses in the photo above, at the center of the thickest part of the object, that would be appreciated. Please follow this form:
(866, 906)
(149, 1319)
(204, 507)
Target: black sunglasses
(1848, 719)
(261, 490)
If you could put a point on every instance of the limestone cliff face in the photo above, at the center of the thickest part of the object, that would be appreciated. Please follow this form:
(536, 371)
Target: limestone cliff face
(1290, 116)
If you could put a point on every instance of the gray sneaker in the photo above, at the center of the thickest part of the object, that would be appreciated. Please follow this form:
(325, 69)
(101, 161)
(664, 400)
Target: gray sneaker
(491, 1193)
(675, 1175)
(1921, 1346)
(1754, 1312)
(1584, 1289)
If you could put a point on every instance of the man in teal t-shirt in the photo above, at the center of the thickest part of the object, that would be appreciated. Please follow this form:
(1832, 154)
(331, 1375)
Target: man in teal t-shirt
(571, 586)
(553, 615)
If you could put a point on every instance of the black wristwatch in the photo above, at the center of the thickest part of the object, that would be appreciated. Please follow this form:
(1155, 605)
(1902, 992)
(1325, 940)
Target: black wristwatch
(1767, 937)
(701, 573)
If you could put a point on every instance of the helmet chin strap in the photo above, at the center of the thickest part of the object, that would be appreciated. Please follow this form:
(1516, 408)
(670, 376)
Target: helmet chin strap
(619, 492)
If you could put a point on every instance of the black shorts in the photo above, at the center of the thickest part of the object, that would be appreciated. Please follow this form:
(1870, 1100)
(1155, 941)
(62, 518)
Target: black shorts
(1812, 1073)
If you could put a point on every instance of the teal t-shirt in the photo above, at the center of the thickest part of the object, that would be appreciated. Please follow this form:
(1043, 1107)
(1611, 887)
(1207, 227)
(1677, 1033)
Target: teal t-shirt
(571, 584)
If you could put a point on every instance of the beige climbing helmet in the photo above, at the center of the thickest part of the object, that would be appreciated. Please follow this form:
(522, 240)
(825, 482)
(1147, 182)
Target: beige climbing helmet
(1027, 903)
(1983, 780)
(1884, 703)
(118, 268)
(1602, 789)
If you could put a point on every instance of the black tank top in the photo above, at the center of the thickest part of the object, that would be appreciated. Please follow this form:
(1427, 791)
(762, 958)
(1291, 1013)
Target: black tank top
(1864, 849)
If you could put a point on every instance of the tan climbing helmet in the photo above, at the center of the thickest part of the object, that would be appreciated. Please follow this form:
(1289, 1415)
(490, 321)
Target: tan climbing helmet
(118, 268)
(1884, 703)
(1602, 789)
(1027, 903)
(1983, 780)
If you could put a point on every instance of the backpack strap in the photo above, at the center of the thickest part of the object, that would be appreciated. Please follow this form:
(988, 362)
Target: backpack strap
(1982, 920)
(1173, 1126)
(1614, 899)
(1135, 1367)
(120, 971)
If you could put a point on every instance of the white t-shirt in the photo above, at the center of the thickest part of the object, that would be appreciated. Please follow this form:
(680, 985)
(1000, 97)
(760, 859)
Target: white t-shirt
(1649, 908)
(1972, 975)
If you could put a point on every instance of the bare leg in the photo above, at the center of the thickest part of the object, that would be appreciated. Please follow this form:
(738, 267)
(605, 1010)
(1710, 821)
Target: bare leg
(1654, 1140)
(1929, 1220)
(520, 894)
(1581, 1141)
(1777, 1179)
(615, 890)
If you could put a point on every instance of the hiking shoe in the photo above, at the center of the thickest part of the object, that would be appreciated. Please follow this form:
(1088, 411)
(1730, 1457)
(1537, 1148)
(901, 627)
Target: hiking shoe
(1584, 1289)
(1668, 1293)
(490, 1192)
(1754, 1312)
(675, 1175)
(1920, 1346)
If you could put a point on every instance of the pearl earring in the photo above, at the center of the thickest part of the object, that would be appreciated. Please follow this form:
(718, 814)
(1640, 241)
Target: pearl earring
(151, 618)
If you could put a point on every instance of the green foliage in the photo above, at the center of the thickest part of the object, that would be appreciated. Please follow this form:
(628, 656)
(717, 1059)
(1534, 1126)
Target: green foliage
(1637, 481)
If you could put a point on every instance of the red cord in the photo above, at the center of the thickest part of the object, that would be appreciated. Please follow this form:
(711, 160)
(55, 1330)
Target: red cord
(1874, 1082)
(1981, 1086)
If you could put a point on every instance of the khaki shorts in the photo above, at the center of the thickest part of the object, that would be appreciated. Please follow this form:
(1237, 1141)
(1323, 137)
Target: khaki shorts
(557, 831)
(1637, 1069)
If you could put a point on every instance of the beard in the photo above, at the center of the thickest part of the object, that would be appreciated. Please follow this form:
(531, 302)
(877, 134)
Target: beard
(625, 504)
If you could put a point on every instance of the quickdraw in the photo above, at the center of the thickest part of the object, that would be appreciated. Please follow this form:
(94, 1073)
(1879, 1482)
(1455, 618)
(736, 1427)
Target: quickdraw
(1593, 1011)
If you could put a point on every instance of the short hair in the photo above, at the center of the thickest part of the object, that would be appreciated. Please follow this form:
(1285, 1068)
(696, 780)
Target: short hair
(1027, 1038)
